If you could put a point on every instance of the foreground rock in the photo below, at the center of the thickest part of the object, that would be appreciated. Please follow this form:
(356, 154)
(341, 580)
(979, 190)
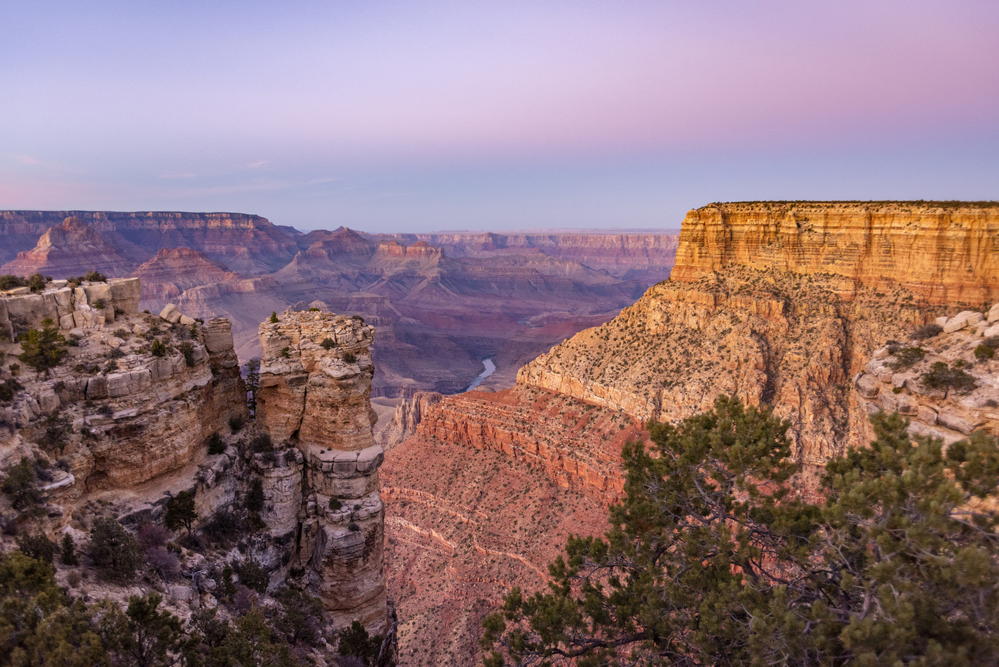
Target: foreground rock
(315, 388)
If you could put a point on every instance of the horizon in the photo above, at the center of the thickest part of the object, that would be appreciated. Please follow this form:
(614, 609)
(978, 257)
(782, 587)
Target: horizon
(500, 117)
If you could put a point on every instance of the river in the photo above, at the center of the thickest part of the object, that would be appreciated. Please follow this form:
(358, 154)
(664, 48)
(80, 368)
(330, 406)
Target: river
(490, 368)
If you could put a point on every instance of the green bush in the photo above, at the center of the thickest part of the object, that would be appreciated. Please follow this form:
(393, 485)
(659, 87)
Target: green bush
(36, 282)
(335, 504)
(906, 357)
(95, 277)
(37, 546)
(349, 357)
(944, 377)
(984, 352)
(100, 304)
(274, 317)
(236, 424)
(20, 484)
(68, 551)
(261, 444)
(215, 445)
(158, 348)
(252, 575)
(43, 348)
(8, 281)
(328, 344)
(354, 641)
(8, 388)
(116, 554)
(180, 511)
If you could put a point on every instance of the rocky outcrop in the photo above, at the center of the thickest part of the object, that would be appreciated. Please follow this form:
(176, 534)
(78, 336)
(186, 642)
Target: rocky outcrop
(947, 384)
(945, 252)
(121, 412)
(62, 251)
(779, 305)
(86, 305)
(407, 416)
(315, 385)
(174, 270)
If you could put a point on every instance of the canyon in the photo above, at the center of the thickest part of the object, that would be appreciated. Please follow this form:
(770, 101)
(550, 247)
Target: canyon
(806, 320)
(439, 302)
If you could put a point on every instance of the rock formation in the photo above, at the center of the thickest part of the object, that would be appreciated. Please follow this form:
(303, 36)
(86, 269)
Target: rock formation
(779, 305)
(315, 386)
(63, 249)
(946, 383)
(134, 415)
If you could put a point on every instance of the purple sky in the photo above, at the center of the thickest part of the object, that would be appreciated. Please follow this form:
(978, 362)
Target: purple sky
(404, 116)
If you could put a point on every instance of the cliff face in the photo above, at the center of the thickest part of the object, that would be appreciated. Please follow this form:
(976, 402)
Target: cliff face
(780, 306)
(121, 415)
(62, 249)
(245, 243)
(315, 386)
(942, 253)
(481, 498)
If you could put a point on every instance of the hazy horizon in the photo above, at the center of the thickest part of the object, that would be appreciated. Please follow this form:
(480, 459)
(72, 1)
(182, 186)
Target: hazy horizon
(390, 117)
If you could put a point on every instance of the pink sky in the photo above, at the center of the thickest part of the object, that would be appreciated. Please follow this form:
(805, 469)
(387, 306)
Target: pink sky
(400, 116)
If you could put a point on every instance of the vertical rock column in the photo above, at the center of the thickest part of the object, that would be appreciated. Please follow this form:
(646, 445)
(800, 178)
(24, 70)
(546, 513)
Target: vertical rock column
(315, 389)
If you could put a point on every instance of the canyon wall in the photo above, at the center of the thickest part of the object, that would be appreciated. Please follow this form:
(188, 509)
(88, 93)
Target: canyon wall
(943, 252)
(780, 305)
(315, 387)
(245, 243)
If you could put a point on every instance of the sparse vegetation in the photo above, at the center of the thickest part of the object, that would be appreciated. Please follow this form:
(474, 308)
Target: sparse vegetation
(180, 511)
(158, 348)
(43, 348)
(255, 496)
(906, 357)
(114, 551)
(925, 331)
(37, 546)
(944, 377)
(215, 445)
(20, 484)
(348, 357)
(274, 317)
(187, 349)
(328, 344)
(9, 281)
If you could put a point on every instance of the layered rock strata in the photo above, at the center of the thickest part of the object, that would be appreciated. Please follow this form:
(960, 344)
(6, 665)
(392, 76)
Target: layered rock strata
(315, 386)
(120, 412)
(62, 249)
(944, 252)
(780, 305)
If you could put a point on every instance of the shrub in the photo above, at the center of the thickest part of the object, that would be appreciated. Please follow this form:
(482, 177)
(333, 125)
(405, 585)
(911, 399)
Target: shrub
(236, 424)
(335, 504)
(111, 367)
(43, 348)
(8, 281)
(274, 317)
(100, 304)
(37, 546)
(255, 496)
(284, 352)
(349, 357)
(8, 388)
(313, 310)
(328, 344)
(115, 553)
(223, 526)
(252, 575)
(991, 342)
(20, 484)
(180, 511)
(928, 330)
(984, 352)
(158, 348)
(36, 282)
(354, 641)
(152, 535)
(73, 579)
(215, 445)
(68, 551)
(943, 377)
(95, 277)
(187, 349)
(115, 353)
(166, 563)
(906, 357)
(261, 443)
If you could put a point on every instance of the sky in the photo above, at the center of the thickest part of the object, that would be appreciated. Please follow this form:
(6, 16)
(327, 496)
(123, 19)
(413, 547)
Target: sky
(417, 116)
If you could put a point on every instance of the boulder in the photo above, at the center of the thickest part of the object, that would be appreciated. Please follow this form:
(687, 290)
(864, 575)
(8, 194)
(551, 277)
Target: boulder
(961, 320)
(868, 386)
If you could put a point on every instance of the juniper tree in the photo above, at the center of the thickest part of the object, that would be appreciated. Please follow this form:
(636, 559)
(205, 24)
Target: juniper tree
(709, 560)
